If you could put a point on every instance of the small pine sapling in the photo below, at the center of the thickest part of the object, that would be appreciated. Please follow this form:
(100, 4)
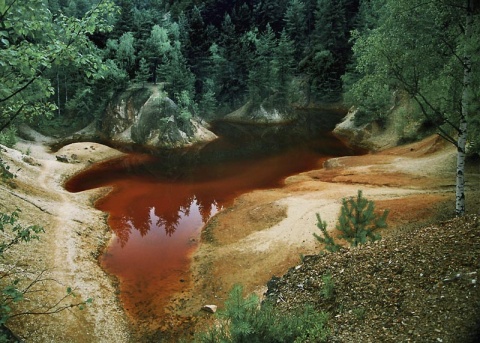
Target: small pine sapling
(325, 238)
(357, 223)
(358, 220)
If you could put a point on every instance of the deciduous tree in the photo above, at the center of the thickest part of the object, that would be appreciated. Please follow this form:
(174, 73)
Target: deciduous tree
(430, 51)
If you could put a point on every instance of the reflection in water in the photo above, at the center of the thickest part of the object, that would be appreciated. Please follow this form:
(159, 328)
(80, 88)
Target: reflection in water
(158, 204)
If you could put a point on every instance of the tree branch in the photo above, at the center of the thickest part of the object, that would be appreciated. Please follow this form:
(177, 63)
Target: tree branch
(6, 11)
(9, 121)
(52, 60)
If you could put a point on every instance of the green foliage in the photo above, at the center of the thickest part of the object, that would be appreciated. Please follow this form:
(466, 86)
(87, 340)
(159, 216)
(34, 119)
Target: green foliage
(143, 72)
(328, 288)
(208, 103)
(358, 220)
(125, 54)
(32, 42)
(261, 75)
(325, 237)
(244, 320)
(19, 233)
(296, 25)
(186, 106)
(357, 223)
(419, 50)
(8, 136)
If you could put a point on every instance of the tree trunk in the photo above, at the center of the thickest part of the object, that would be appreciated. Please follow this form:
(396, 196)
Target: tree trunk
(462, 135)
(58, 95)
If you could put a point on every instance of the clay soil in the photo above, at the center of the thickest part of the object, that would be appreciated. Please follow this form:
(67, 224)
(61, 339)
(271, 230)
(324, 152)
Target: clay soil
(263, 234)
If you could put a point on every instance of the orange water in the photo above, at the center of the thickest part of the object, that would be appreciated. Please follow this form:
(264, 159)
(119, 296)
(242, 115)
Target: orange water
(157, 211)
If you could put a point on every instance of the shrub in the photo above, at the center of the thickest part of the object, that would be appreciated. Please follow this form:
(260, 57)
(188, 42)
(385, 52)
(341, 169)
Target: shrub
(328, 288)
(244, 320)
(8, 137)
(357, 223)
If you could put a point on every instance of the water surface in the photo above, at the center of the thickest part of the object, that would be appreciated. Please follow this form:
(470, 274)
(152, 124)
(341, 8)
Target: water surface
(159, 203)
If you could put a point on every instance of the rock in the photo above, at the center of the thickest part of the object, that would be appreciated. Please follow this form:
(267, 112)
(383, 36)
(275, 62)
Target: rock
(210, 308)
(261, 114)
(357, 136)
(62, 158)
(31, 161)
(146, 116)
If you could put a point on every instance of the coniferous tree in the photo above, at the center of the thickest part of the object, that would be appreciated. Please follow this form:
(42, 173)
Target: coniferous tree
(283, 66)
(208, 102)
(358, 221)
(125, 54)
(125, 20)
(143, 72)
(296, 25)
(261, 74)
(325, 237)
(157, 48)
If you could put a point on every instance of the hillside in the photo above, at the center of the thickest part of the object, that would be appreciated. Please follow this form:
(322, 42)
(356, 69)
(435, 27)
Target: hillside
(417, 285)
(267, 231)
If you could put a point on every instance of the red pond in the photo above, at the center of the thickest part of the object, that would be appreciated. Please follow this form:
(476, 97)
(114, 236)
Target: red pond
(157, 209)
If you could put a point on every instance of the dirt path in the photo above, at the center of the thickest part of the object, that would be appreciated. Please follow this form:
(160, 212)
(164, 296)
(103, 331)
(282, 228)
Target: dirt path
(67, 252)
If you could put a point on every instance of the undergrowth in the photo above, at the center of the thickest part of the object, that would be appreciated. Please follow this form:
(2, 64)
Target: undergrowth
(246, 320)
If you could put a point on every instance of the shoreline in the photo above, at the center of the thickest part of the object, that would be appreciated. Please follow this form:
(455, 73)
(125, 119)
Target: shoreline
(266, 230)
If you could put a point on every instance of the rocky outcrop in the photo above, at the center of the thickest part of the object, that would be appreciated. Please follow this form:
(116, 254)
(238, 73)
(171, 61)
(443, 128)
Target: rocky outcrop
(264, 113)
(146, 116)
(367, 136)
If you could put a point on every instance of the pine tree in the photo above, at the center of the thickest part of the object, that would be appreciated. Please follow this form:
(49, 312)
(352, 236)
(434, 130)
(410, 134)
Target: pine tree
(326, 239)
(143, 72)
(358, 221)
(283, 65)
(296, 25)
(261, 74)
(125, 54)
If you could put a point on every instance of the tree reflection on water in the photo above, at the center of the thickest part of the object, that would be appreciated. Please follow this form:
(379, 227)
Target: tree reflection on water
(161, 218)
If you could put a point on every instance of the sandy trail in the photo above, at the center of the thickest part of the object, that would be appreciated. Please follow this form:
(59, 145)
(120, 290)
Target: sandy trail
(74, 235)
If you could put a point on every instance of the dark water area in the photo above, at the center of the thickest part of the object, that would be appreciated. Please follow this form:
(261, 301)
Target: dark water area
(160, 202)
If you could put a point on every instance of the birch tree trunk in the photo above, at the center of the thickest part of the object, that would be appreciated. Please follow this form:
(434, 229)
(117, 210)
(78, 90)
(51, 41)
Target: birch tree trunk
(462, 134)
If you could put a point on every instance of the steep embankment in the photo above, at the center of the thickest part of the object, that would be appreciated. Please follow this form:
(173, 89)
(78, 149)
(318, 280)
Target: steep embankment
(417, 285)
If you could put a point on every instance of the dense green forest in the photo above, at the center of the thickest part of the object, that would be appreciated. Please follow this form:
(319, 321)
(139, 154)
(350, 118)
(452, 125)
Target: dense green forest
(213, 56)
(65, 59)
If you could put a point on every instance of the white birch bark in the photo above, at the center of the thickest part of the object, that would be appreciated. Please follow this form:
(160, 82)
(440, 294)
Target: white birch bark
(462, 135)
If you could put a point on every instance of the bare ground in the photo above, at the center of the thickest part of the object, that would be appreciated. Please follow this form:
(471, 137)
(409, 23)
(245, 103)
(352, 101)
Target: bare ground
(67, 252)
(263, 234)
(266, 232)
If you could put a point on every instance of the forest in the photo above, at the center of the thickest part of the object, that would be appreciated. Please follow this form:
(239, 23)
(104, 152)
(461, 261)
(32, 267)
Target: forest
(68, 58)
(63, 62)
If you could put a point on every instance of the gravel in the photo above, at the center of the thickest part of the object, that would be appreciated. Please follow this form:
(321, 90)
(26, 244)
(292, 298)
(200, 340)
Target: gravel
(417, 285)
